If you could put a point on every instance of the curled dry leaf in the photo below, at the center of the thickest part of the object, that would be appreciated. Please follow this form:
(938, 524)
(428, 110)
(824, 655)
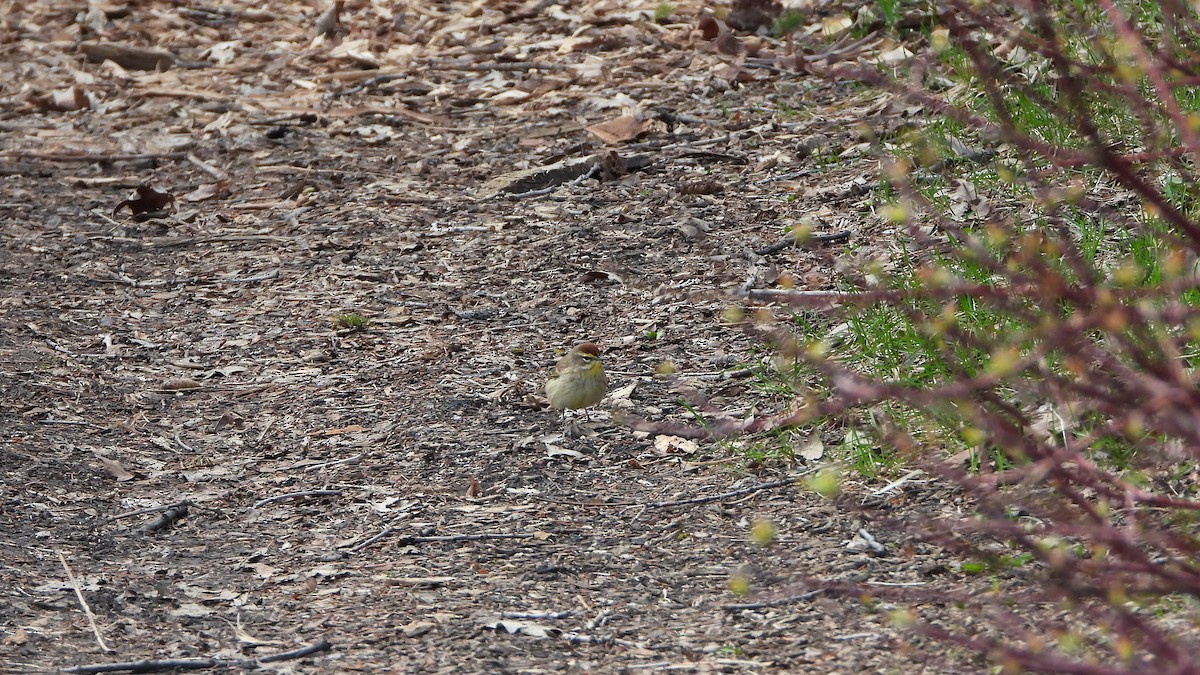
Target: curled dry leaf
(675, 445)
(229, 419)
(812, 448)
(619, 130)
(114, 469)
(63, 100)
(206, 191)
(149, 202)
(180, 384)
(710, 27)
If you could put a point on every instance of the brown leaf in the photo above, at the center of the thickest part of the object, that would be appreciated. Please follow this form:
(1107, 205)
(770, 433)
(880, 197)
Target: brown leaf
(229, 419)
(114, 469)
(719, 35)
(709, 27)
(149, 201)
(206, 191)
(474, 489)
(619, 130)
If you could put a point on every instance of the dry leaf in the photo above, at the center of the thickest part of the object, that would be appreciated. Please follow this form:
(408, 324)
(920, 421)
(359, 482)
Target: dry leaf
(149, 201)
(812, 449)
(63, 100)
(511, 96)
(619, 130)
(179, 384)
(206, 191)
(114, 469)
(229, 419)
(675, 445)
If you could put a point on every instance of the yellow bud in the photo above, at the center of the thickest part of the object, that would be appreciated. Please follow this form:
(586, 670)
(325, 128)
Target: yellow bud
(802, 231)
(973, 436)
(1123, 646)
(895, 212)
(1114, 320)
(996, 235)
(1005, 361)
(1128, 273)
(826, 483)
(902, 618)
(739, 585)
(763, 532)
(817, 350)
(939, 39)
(1173, 264)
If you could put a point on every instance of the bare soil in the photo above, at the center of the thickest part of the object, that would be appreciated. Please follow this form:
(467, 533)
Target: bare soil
(454, 526)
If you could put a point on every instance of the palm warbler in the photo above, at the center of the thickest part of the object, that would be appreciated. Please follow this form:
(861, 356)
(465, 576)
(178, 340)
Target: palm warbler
(577, 380)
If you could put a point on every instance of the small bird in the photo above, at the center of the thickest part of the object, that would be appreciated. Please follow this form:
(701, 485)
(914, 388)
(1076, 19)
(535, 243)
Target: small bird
(577, 380)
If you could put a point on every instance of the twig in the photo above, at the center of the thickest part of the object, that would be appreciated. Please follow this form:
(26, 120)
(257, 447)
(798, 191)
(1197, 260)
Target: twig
(726, 375)
(91, 157)
(538, 615)
(167, 519)
(263, 434)
(896, 483)
(197, 664)
(774, 603)
(419, 538)
(854, 636)
(269, 274)
(72, 422)
(207, 168)
(789, 242)
(294, 495)
(188, 241)
(735, 493)
(319, 646)
(568, 502)
(799, 297)
(695, 500)
(468, 537)
(345, 460)
(371, 540)
(154, 509)
(551, 188)
(83, 603)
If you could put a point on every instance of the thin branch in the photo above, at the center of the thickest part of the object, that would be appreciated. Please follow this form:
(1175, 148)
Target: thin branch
(83, 603)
